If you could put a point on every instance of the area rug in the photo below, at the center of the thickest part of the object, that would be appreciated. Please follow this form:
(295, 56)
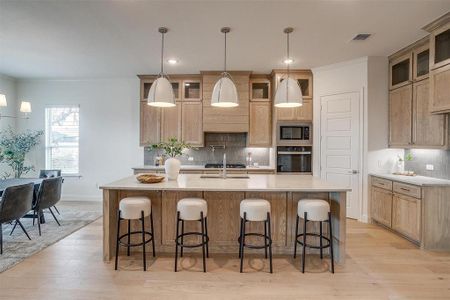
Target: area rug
(74, 216)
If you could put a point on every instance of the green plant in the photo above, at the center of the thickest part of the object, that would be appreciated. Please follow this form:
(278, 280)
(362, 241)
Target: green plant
(409, 157)
(15, 146)
(172, 147)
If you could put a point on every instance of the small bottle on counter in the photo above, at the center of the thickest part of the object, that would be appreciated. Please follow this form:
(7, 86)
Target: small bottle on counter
(248, 160)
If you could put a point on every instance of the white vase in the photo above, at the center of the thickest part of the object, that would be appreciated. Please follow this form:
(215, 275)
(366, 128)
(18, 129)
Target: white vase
(172, 167)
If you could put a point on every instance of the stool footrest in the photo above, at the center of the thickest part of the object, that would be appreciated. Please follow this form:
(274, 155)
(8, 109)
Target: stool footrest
(312, 246)
(267, 241)
(138, 244)
(179, 243)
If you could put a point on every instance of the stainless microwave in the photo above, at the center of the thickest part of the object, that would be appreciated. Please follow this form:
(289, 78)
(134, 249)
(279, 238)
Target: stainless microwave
(294, 134)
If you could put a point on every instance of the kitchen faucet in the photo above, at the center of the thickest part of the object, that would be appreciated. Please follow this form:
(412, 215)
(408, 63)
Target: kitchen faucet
(224, 163)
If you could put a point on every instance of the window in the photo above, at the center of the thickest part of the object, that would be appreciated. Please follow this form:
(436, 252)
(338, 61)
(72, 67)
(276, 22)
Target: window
(62, 136)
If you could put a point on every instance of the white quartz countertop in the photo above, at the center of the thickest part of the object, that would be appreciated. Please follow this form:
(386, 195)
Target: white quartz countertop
(257, 183)
(202, 168)
(415, 180)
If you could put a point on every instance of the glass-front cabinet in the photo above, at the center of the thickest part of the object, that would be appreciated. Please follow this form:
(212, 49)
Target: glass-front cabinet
(421, 58)
(192, 90)
(260, 88)
(440, 47)
(400, 71)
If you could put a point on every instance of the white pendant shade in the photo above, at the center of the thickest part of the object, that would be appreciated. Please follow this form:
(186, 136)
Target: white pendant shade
(3, 102)
(25, 107)
(224, 93)
(288, 94)
(161, 93)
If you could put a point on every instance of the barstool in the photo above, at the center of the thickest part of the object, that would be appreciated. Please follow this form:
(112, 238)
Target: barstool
(134, 208)
(192, 209)
(318, 211)
(255, 210)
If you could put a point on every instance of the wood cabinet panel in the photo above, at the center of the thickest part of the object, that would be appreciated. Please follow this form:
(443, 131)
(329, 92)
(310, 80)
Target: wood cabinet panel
(440, 45)
(150, 120)
(171, 122)
(260, 131)
(400, 71)
(421, 62)
(406, 214)
(382, 183)
(302, 113)
(304, 79)
(428, 130)
(381, 206)
(400, 116)
(407, 189)
(192, 124)
(440, 90)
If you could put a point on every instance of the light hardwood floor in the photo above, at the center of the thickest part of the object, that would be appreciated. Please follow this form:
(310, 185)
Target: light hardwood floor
(380, 265)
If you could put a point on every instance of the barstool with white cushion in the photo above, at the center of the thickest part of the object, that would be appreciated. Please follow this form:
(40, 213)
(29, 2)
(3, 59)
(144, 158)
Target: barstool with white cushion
(255, 210)
(313, 210)
(134, 208)
(192, 209)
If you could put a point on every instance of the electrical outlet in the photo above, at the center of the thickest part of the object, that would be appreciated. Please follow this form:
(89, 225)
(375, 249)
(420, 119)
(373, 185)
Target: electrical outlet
(190, 158)
(429, 167)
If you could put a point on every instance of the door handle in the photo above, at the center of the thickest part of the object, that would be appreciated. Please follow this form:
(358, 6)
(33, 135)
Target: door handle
(353, 172)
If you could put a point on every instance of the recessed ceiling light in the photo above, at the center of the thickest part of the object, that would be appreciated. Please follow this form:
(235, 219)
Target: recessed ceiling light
(288, 61)
(172, 61)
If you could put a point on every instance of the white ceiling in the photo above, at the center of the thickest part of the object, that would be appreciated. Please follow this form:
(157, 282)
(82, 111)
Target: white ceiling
(69, 39)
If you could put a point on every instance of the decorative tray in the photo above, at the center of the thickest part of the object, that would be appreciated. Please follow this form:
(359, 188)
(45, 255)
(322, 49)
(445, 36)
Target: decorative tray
(149, 178)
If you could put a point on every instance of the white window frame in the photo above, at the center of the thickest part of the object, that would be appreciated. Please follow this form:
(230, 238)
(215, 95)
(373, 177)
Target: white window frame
(47, 130)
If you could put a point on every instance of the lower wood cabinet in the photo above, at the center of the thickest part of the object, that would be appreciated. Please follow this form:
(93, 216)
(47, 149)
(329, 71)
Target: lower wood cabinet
(381, 206)
(406, 212)
(440, 90)
(192, 123)
(150, 124)
(260, 129)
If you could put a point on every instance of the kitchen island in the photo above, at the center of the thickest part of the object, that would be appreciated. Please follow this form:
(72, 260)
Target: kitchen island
(223, 197)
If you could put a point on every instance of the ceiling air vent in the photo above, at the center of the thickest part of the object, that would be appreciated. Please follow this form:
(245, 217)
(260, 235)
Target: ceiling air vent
(361, 37)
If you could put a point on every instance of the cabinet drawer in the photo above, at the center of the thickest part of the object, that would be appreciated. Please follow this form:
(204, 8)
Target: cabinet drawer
(408, 190)
(382, 183)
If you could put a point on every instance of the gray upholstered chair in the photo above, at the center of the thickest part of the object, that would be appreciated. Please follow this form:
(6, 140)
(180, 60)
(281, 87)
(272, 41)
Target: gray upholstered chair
(51, 174)
(48, 195)
(16, 202)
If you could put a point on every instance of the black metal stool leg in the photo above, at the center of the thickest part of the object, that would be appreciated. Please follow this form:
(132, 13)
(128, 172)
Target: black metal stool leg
(206, 232)
(321, 247)
(270, 241)
(296, 235)
(265, 235)
(129, 237)
(331, 243)
(39, 221)
(23, 229)
(176, 240)
(243, 241)
(117, 239)
(182, 237)
(143, 241)
(203, 242)
(304, 242)
(240, 237)
(153, 234)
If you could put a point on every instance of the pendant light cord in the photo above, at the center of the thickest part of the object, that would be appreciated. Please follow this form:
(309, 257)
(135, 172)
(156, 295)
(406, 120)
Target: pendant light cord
(287, 82)
(288, 57)
(162, 53)
(225, 56)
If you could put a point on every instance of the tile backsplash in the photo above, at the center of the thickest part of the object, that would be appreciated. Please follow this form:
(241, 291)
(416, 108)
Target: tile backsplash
(440, 160)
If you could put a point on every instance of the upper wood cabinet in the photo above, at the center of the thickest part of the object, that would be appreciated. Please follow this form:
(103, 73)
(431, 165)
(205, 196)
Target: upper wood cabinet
(150, 124)
(220, 119)
(400, 70)
(440, 45)
(171, 122)
(192, 124)
(260, 88)
(440, 90)
(260, 131)
(302, 113)
(400, 116)
(192, 89)
(421, 62)
(304, 79)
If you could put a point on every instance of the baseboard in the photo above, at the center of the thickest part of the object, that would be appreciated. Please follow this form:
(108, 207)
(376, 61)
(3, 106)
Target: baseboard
(364, 219)
(80, 198)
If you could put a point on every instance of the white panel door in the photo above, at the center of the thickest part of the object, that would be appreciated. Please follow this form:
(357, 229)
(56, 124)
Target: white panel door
(340, 145)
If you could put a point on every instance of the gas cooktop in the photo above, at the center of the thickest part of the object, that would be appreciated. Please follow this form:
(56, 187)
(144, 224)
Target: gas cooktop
(229, 166)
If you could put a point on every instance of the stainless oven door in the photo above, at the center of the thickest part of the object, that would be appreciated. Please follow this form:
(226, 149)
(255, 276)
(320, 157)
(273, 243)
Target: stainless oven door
(294, 162)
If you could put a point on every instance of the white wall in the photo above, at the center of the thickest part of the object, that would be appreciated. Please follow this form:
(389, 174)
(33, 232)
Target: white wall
(8, 88)
(368, 76)
(109, 128)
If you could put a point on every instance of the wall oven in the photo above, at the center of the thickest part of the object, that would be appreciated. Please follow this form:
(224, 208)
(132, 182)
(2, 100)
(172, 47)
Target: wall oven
(294, 134)
(294, 159)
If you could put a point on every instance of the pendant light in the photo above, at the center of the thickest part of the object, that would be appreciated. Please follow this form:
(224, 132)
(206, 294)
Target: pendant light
(161, 92)
(225, 92)
(288, 92)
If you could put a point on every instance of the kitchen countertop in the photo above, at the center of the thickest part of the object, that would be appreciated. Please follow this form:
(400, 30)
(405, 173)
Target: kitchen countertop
(415, 180)
(256, 183)
(202, 168)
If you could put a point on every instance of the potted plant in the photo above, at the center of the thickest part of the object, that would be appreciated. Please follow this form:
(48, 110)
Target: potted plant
(172, 148)
(14, 147)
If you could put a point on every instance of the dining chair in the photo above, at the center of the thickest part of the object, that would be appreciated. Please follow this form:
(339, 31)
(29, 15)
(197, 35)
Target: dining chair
(48, 195)
(51, 174)
(16, 201)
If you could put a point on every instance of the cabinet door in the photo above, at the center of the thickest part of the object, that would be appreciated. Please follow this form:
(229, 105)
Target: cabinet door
(191, 123)
(440, 47)
(429, 130)
(171, 122)
(400, 116)
(305, 112)
(260, 89)
(406, 216)
(440, 90)
(286, 113)
(400, 71)
(150, 130)
(260, 131)
(192, 90)
(381, 206)
(421, 65)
